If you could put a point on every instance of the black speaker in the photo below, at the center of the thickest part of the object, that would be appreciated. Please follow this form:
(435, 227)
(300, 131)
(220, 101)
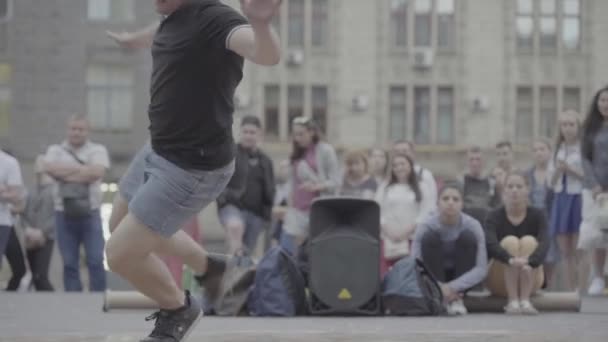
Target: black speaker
(344, 257)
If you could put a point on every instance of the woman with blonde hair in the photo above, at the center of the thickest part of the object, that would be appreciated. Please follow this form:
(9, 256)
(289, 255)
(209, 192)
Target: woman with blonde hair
(566, 180)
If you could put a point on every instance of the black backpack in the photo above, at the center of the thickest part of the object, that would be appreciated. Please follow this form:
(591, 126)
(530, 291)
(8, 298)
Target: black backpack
(278, 288)
(409, 289)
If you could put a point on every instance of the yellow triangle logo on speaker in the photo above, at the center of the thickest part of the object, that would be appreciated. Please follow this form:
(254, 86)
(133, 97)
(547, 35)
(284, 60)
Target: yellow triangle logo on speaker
(345, 295)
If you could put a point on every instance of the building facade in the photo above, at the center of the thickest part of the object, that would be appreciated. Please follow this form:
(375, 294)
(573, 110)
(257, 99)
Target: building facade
(443, 73)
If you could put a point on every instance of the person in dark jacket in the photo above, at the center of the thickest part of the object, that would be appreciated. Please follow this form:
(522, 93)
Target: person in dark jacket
(245, 206)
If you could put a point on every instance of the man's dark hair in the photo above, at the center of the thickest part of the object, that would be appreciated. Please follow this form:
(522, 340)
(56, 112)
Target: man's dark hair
(504, 143)
(251, 120)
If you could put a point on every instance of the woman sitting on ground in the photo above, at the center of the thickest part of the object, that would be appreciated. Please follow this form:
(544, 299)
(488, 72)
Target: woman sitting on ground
(453, 247)
(517, 243)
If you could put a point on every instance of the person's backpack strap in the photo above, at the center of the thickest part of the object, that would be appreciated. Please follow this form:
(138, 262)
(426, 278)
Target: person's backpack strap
(435, 305)
(80, 161)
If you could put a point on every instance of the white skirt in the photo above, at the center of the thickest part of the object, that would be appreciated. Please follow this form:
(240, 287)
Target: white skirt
(591, 236)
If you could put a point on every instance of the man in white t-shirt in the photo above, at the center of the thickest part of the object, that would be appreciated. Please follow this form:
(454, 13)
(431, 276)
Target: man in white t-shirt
(11, 195)
(77, 166)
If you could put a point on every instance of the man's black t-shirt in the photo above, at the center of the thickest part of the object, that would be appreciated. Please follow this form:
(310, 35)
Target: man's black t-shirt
(192, 87)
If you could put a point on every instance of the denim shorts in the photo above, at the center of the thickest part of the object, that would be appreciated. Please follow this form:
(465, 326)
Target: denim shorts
(164, 196)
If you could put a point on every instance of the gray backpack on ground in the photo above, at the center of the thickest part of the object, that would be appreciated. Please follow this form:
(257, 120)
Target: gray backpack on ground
(409, 289)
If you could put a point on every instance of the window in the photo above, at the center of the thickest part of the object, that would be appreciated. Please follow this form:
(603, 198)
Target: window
(110, 97)
(445, 115)
(6, 8)
(548, 24)
(295, 103)
(445, 23)
(399, 22)
(427, 19)
(551, 101)
(295, 35)
(422, 22)
(548, 111)
(571, 24)
(113, 10)
(553, 21)
(319, 27)
(319, 107)
(524, 117)
(397, 113)
(572, 99)
(525, 24)
(271, 110)
(5, 98)
(422, 113)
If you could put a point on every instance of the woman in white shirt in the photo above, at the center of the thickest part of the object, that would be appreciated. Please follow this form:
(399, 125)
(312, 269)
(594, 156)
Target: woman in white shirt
(402, 207)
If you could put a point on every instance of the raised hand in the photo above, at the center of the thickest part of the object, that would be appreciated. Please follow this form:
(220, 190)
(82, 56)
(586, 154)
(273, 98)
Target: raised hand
(124, 39)
(260, 11)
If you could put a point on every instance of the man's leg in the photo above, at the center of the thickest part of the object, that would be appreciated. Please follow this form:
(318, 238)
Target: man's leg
(144, 270)
(254, 225)
(120, 209)
(68, 241)
(166, 201)
(40, 260)
(193, 255)
(15, 258)
(94, 248)
(233, 220)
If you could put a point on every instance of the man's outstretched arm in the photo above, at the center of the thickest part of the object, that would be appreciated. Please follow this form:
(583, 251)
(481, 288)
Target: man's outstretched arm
(141, 39)
(257, 42)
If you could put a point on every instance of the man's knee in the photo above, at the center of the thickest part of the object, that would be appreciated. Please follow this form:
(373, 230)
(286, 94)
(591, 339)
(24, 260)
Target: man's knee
(131, 242)
(510, 244)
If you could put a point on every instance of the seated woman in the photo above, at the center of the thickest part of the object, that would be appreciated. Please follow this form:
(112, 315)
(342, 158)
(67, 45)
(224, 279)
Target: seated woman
(402, 207)
(453, 247)
(357, 181)
(517, 243)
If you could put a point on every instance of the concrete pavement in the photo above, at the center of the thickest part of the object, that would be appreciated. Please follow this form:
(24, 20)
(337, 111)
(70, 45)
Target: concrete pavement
(78, 317)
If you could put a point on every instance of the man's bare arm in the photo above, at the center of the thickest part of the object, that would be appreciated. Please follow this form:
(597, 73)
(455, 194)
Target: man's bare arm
(13, 195)
(60, 170)
(257, 42)
(141, 39)
(86, 174)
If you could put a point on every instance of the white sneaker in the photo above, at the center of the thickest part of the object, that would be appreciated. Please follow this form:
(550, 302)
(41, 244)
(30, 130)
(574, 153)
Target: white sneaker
(513, 308)
(527, 308)
(459, 308)
(597, 287)
(450, 309)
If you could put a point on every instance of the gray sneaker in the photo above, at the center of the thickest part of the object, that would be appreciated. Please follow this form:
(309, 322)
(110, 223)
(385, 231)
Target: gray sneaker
(175, 325)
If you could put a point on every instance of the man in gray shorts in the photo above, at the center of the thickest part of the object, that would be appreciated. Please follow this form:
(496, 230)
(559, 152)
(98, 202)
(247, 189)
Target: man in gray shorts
(198, 50)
